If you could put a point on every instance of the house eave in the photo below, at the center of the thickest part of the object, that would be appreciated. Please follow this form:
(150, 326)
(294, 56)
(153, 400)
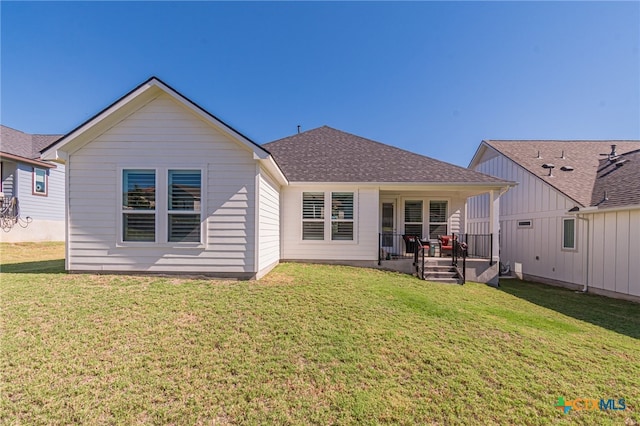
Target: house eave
(31, 161)
(595, 209)
(415, 185)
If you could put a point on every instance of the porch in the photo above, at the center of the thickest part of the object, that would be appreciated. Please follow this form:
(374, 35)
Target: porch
(469, 259)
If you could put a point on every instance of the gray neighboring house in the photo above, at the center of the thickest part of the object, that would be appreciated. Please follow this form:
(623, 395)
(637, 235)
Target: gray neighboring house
(37, 185)
(574, 218)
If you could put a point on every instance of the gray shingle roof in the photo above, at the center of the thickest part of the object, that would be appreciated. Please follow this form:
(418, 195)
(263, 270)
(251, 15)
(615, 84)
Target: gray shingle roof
(329, 155)
(619, 179)
(24, 144)
(583, 156)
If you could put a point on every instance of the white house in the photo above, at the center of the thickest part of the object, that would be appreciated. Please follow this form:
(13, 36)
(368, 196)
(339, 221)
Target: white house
(574, 218)
(31, 190)
(157, 184)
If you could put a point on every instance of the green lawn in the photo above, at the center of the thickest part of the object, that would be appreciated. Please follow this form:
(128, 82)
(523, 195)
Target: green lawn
(306, 344)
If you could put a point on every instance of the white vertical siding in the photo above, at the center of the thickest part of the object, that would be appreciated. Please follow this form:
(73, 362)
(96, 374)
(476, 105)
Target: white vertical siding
(615, 247)
(537, 249)
(268, 222)
(163, 134)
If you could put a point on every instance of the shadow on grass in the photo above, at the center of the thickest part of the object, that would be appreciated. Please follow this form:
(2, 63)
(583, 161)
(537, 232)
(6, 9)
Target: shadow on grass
(619, 316)
(41, 267)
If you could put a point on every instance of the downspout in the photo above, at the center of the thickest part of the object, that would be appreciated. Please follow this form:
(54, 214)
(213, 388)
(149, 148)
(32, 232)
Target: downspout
(585, 288)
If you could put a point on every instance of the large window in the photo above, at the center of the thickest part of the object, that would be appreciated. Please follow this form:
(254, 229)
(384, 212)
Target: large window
(184, 205)
(437, 219)
(569, 233)
(413, 218)
(341, 219)
(147, 216)
(313, 215)
(139, 205)
(40, 186)
(342, 215)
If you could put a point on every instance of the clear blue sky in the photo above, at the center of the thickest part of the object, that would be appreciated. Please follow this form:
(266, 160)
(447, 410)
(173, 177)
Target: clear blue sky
(432, 77)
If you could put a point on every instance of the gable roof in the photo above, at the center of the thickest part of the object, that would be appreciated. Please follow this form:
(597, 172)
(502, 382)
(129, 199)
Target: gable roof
(583, 156)
(133, 100)
(143, 93)
(24, 147)
(618, 181)
(325, 154)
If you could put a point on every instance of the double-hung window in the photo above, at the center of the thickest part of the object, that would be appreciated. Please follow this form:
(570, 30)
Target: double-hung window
(342, 215)
(184, 206)
(437, 218)
(338, 226)
(313, 215)
(139, 205)
(413, 218)
(161, 206)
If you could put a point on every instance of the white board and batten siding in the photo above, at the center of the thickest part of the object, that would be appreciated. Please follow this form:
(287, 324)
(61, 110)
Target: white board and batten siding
(268, 223)
(162, 134)
(614, 245)
(534, 251)
(364, 246)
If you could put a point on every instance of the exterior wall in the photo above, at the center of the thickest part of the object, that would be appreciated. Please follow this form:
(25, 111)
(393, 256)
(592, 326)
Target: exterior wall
(162, 134)
(366, 214)
(614, 247)
(268, 223)
(46, 212)
(367, 226)
(535, 251)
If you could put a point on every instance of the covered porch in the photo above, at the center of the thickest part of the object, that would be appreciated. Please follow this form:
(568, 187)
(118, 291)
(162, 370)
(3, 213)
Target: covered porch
(427, 227)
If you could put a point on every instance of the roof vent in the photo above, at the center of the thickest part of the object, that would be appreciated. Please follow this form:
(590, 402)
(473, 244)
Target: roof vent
(550, 167)
(566, 168)
(620, 162)
(606, 196)
(538, 154)
(613, 154)
(562, 156)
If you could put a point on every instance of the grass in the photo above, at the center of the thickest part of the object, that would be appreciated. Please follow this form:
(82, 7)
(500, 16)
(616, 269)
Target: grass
(307, 344)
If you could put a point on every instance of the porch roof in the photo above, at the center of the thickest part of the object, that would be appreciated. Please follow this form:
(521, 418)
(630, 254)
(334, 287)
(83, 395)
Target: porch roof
(329, 155)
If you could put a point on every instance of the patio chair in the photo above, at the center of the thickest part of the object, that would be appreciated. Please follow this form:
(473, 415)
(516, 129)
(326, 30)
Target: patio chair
(446, 244)
(410, 243)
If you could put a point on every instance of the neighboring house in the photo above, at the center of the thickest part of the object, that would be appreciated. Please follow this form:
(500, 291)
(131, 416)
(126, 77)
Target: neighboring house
(574, 218)
(157, 184)
(37, 185)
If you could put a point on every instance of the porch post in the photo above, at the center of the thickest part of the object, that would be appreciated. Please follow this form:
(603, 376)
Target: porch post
(494, 224)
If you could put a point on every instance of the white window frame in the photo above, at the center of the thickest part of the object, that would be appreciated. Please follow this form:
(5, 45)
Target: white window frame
(446, 215)
(404, 214)
(344, 220)
(327, 220)
(46, 182)
(575, 233)
(162, 207)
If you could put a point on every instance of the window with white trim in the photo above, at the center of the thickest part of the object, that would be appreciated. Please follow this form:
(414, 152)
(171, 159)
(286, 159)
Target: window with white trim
(438, 224)
(161, 206)
(139, 205)
(342, 216)
(313, 215)
(40, 184)
(569, 233)
(413, 218)
(184, 206)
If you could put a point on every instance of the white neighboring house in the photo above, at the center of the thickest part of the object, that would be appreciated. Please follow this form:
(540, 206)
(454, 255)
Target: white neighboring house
(574, 218)
(36, 185)
(157, 184)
